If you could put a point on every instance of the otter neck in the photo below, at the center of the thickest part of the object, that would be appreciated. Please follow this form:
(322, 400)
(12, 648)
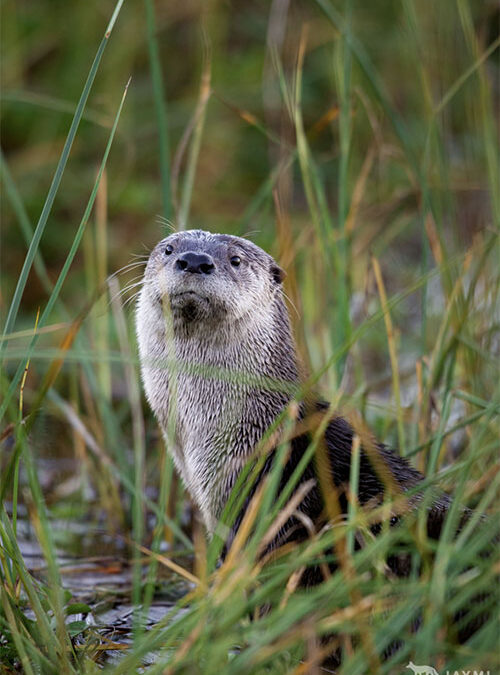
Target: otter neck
(240, 346)
(231, 385)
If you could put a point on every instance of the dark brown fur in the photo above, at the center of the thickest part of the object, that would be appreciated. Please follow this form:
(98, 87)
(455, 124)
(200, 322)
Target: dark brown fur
(199, 313)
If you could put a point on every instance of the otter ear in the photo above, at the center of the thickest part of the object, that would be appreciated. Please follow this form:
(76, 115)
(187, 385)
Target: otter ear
(277, 274)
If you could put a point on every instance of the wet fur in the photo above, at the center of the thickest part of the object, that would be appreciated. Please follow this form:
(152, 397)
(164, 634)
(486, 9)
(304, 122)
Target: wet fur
(244, 329)
(234, 325)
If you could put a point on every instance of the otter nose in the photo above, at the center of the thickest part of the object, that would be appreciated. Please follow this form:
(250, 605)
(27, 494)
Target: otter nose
(196, 263)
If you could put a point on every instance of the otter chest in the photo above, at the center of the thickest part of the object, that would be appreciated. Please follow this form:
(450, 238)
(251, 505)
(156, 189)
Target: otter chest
(208, 416)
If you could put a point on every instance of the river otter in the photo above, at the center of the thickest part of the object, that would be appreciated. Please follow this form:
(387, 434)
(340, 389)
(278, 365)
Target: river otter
(212, 322)
(219, 367)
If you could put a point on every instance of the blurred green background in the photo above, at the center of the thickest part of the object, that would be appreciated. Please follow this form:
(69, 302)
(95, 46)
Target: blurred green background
(418, 49)
(355, 141)
(329, 132)
(387, 148)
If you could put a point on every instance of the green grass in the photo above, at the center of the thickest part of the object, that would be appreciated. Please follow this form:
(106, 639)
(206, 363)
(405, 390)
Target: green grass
(360, 147)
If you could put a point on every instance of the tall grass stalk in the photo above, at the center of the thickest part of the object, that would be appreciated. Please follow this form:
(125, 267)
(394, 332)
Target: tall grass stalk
(321, 217)
(484, 103)
(40, 518)
(33, 247)
(391, 343)
(101, 328)
(67, 263)
(160, 108)
(194, 148)
(132, 379)
(343, 257)
(19, 209)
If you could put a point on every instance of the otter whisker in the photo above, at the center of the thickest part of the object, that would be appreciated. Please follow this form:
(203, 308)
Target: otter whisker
(248, 235)
(131, 299)
(129, 284)
(130, 266)
(166, 222)
(135, 283)
(123, 270)
(292, 304)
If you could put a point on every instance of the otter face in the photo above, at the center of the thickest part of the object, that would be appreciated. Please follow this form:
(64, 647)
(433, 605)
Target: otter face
(210, 278)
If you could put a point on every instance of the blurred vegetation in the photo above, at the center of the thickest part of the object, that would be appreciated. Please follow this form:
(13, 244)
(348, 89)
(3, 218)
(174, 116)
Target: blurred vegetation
(358, 143)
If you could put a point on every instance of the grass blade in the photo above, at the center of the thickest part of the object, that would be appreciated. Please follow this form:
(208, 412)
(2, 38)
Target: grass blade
(67, 263)
(47, 207)
(160, 107)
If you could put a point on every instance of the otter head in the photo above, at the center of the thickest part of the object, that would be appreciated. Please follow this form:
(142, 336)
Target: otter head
(210, 279)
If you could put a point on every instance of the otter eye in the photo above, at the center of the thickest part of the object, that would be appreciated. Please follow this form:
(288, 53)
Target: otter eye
(235, 260)
(168, 249)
